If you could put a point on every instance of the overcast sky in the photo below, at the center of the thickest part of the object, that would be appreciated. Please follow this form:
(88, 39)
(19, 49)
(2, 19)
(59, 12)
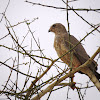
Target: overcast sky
(19, 10)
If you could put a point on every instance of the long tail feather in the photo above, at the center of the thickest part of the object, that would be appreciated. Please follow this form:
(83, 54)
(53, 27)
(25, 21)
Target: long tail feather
(97, 75)
(93, 77)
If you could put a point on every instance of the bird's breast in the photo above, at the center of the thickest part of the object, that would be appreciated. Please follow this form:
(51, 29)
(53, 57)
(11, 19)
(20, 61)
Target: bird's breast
(61, 50)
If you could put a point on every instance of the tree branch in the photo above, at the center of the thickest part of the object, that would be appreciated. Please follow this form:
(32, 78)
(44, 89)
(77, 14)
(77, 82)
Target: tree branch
(62, 8)
(17, 70)
(40, 94)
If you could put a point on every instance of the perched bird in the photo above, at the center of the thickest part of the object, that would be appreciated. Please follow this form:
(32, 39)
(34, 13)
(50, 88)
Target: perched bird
(63, 42)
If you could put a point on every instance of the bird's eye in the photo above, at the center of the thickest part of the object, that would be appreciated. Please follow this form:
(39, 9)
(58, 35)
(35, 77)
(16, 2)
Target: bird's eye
(54, 25)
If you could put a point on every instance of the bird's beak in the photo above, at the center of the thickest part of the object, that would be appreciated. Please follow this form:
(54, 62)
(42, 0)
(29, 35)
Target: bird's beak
(49, 30)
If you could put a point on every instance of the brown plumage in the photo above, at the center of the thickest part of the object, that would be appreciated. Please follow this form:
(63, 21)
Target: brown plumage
(63, 43)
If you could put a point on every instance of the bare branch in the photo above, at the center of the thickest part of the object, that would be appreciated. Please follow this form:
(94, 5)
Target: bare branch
(49, 88)
(16, 70)
(62, 8)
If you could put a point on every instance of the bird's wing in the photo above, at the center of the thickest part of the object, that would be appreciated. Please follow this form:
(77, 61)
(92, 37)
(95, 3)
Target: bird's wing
(82, 56)
(79, 51)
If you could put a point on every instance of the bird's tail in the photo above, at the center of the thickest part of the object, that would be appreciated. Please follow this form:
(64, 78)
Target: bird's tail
(97, 75)
(94, 77)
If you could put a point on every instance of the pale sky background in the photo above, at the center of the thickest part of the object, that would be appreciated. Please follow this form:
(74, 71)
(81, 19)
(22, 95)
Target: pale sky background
(19, 10)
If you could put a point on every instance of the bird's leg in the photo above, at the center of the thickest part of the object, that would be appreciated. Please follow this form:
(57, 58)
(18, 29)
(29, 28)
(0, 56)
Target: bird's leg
(72, 77)
(72, 81)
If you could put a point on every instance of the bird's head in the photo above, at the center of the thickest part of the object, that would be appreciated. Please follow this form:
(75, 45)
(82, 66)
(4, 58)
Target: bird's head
(57, 28)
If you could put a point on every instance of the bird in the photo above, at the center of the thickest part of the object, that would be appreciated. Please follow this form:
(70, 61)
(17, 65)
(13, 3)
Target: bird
(63, 42)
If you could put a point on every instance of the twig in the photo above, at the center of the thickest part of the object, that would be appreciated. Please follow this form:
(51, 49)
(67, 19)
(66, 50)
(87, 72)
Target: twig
(5, 10)
(69, 9)
(62, 8)
(17, 70)
(38, 78)
(25, 53)
(4, 37)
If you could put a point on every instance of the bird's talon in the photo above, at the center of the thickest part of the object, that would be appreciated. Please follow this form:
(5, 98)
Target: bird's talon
(73, 85)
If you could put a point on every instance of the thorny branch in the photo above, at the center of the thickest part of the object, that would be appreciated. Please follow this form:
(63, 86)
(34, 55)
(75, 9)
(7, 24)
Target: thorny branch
(78, 9)
(16, 70)
(64, 77)
(70, 8)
